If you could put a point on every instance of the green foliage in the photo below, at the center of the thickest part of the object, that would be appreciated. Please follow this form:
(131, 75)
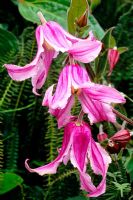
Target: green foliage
(8, 47)
(9, 181)
(52, 10)
(95, 27)
(27, 129)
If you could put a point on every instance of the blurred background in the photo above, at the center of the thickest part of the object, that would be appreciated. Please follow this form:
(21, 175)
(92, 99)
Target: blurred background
(26, 128)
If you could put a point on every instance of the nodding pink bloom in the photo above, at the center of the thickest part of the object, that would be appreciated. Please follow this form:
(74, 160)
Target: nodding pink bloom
(52, 38)
(113, 57)
(79, 147)
(95, 99)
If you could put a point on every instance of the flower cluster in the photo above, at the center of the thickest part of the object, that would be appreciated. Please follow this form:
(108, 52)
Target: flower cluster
(96, 100)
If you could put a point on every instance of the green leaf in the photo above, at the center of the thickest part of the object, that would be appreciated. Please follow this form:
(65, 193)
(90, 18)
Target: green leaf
(8, 46)
(101, 66)
(76, 10)
(122, 49)
(9, 181)
(78, 198)
(129, 166)
(52, 10)
(95, 27)
(108, 39)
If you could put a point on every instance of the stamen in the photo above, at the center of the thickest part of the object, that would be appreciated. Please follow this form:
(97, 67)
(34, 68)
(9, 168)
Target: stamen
(75, 91)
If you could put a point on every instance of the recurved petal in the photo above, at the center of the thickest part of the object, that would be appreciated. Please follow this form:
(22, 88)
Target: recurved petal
(102, 93)
(96, 110)
(21, 73)
(51, 168)
(99, 161)
(86, 182)
(86, 50)
(18, 73)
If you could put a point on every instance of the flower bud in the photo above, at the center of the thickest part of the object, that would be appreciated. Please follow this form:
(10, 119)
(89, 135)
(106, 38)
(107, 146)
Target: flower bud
(113, 57)
(122, 137)
(102, 136)
(118, 141)
(82, 21)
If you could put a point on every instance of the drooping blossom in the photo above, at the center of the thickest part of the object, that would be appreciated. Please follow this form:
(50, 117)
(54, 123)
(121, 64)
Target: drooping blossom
(95, 99)
(113, 57)
(79, 147)
(52, 38)
(101, 136)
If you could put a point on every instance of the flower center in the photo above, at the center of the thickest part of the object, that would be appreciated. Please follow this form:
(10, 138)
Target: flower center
(75, 91)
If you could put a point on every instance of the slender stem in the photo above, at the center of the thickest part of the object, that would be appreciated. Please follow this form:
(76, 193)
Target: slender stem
(41, 17)
(129, 121)
(129, 98)
(101, 128)
(90, 71)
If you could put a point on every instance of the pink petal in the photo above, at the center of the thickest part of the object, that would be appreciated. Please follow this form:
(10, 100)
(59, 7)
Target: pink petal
(63, 116)
(38, 68)
(57, 37)
(99, 161)
(71, 75)
(51, 168)
(103, 93)
(96, 110)
(86, 183)
(21, 73)
(80, 144)
(86, 51)
(43, 66)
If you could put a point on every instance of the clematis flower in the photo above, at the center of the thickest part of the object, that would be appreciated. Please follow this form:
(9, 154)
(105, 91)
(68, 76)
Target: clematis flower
(113, 57)
(95, 99)
(52, 38)
(79, 147)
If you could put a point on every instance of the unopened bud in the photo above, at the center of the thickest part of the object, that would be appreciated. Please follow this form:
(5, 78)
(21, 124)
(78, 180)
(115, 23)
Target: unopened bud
(122, 137)
(113, 57)
(102, 136)
(82, 21)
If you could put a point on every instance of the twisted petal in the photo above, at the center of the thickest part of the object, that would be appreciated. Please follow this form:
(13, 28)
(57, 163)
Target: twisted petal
(51, 168)
(99, 160)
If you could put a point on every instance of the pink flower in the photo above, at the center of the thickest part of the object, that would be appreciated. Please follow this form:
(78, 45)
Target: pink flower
(52, 38)
(79, 147)
(95, 99)
(113, 57)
